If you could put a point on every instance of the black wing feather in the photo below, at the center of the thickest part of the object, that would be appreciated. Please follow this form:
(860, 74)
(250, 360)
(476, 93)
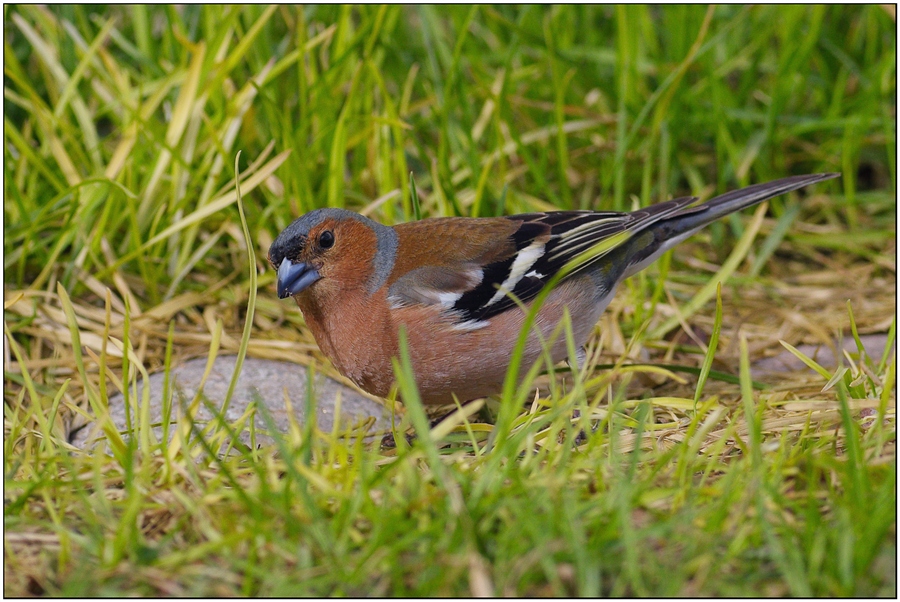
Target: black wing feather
(567, 234)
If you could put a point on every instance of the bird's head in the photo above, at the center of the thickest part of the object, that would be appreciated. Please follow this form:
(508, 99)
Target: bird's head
(331, 250)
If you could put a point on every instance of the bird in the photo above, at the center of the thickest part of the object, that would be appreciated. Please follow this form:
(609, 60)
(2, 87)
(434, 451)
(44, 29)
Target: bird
(461, 286)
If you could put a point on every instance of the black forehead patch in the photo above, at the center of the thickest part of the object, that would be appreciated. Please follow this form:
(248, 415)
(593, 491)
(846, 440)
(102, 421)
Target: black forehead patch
(288, 247)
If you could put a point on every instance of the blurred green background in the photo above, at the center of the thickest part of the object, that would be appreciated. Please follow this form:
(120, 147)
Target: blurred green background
(493, 109)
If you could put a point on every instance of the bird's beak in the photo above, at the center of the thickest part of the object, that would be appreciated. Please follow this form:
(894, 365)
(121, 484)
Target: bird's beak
(294, 277)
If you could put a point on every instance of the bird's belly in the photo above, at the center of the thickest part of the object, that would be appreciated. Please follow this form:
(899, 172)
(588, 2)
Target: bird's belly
(473, 363)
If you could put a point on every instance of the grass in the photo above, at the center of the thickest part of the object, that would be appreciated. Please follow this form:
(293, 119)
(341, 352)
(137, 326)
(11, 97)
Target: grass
(125, 252)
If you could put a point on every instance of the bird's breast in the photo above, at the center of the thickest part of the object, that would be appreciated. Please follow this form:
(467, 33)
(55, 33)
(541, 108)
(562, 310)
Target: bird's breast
(361, 338)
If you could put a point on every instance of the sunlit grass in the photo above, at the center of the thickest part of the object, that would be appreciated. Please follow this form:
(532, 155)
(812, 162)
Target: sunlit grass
(681, 474)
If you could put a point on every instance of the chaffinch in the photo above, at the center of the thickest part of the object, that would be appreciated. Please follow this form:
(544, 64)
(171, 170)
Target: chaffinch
(451, 282)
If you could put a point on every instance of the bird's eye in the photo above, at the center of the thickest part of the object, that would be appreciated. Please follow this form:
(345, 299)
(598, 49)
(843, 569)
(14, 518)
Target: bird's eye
(326, 239)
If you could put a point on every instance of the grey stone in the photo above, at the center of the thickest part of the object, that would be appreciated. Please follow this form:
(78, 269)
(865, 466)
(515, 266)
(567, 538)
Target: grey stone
(264, 381)
(786, 361)
(268, 380)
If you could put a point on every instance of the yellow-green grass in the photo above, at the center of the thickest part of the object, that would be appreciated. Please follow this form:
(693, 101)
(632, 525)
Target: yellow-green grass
(125, 253)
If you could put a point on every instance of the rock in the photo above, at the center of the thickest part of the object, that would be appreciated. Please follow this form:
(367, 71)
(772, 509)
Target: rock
(269, 379)
(263, 380)
(786, 361)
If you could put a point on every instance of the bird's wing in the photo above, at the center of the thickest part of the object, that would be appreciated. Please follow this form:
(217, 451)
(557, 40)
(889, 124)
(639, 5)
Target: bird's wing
(538, 248)
(549, 242)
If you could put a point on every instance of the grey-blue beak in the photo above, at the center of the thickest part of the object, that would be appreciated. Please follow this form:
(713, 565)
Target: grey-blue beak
(294, 277)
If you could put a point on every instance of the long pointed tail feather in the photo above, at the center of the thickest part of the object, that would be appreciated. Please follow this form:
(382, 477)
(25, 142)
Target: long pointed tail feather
(669, 232)
(736, 200)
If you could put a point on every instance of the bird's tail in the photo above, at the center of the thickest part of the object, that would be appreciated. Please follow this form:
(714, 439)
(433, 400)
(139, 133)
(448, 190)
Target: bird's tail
(669, 232)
